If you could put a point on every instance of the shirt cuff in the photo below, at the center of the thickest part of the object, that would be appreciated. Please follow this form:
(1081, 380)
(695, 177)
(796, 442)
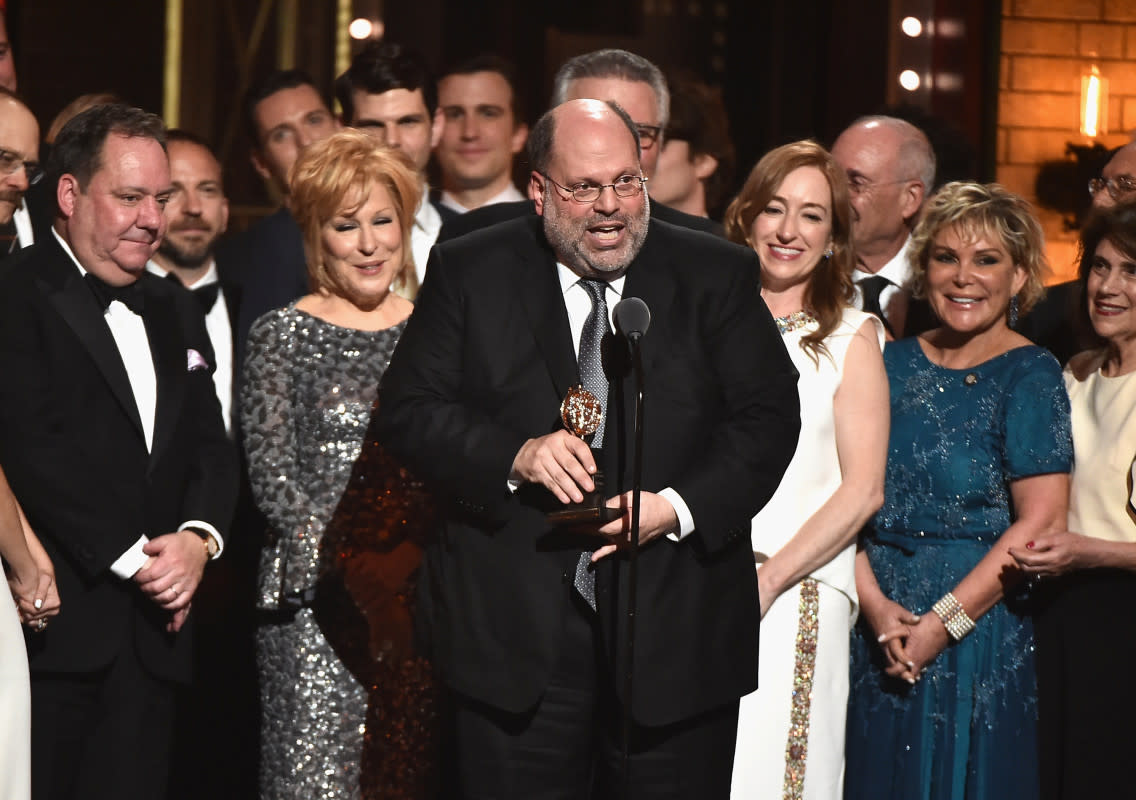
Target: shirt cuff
(205, 526)
(685, 520)
(131, 561)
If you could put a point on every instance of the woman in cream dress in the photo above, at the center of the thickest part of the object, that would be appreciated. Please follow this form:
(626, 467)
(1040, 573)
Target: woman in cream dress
(794, 212)
(32, 600)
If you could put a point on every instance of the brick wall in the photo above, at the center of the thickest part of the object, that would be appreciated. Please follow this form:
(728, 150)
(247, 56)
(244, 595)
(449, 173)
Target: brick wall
(1046, 45)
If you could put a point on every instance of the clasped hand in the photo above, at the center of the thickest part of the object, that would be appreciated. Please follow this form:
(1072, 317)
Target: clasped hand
(910, 642)
(564, 465)
(172, 573)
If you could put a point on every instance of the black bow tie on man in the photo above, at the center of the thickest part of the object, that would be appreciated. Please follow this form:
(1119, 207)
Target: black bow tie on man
(206, 295)
(129, 295)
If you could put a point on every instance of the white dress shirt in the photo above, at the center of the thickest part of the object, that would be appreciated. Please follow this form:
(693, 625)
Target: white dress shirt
(220, 330)
(509, 195)
(427, 224)
(129, 332)
(579, 304)
(22, 219)
(898, 273)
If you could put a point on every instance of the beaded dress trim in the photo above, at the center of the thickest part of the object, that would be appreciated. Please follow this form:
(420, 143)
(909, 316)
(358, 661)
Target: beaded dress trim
(798, 319)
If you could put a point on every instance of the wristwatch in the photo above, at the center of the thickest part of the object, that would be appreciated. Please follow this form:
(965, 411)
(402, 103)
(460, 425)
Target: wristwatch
(211, 548)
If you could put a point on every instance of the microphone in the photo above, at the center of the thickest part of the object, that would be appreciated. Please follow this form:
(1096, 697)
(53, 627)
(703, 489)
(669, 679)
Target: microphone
(632, 318)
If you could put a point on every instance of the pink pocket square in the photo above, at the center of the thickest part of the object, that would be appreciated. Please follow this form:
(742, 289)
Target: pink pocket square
(196, 360)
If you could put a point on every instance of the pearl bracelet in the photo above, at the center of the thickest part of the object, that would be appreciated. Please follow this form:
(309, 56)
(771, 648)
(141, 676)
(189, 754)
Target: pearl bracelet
(955, 619)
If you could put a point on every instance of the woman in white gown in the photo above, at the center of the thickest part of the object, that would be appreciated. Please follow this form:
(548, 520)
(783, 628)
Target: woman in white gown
(794, 211)
(33, 598)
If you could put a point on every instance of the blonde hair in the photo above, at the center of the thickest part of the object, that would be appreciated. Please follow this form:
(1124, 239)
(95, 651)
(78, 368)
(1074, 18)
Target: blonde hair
(974, 210)
(830, 286)
(339, 172)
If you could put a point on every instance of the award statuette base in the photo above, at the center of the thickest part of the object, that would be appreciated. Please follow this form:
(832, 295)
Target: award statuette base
(593, 508)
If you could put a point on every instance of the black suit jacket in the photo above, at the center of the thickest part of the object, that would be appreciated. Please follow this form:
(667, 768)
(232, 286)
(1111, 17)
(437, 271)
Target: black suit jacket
(485, 216)
(72, 444)
(483, 365)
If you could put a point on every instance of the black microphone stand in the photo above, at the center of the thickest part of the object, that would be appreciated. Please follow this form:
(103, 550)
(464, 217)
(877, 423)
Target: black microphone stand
(633, 558)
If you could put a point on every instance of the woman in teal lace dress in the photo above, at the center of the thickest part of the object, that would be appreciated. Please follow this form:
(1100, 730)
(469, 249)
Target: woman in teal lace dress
(943, 701)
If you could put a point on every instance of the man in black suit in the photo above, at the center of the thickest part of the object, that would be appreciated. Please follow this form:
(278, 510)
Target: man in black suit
(471, 402)
(284, 113)
(112, 439)
(635, 84)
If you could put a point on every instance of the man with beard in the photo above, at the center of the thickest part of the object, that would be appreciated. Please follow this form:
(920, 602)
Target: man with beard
(198, 213)
(19, 165)
(524, 621)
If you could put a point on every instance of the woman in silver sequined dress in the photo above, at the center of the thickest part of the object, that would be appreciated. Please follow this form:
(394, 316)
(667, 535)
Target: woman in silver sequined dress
(311, 378)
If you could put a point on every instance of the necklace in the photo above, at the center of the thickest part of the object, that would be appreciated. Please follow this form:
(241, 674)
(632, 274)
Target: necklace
(798, 319)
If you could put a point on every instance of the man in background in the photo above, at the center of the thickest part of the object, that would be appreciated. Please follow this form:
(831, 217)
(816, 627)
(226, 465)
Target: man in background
(389, 93)
(284, 113)
(481, 135)
(891, 171)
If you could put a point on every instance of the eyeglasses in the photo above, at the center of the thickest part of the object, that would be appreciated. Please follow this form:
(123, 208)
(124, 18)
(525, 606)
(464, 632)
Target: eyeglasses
(1117, 187)
(861, 185)
(648, 134)
(10, 162)
(624, 186)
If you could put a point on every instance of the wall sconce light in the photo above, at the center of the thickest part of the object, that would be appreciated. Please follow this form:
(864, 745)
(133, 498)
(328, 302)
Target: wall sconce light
(1094, 103)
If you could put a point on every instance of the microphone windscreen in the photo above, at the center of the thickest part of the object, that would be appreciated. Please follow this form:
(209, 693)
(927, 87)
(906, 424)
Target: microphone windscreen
(632, 317)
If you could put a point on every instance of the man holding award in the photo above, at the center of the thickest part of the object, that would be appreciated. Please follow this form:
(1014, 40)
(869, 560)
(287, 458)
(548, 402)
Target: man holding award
(507, 393)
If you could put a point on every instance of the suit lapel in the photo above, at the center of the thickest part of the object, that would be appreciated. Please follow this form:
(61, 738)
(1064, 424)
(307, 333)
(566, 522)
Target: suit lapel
(169, 357)
(537, 284)
(650, 278)
(72, 298)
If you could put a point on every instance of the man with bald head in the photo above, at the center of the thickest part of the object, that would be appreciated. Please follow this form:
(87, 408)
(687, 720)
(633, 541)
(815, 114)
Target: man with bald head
(526, 620)
(19, 168)
(891, 171)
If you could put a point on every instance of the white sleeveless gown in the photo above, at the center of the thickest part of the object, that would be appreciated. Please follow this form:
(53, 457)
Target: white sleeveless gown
(791, 730)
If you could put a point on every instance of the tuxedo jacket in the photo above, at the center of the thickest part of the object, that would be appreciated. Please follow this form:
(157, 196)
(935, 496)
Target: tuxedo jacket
(72, 445)
(483, 217)
(483, 365)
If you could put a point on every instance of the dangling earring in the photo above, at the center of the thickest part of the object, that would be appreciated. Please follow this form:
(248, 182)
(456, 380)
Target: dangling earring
(1014, 311)
(828, 253)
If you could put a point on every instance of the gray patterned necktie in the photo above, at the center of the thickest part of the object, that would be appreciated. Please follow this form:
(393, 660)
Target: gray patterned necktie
(590, 359)
(592, 378)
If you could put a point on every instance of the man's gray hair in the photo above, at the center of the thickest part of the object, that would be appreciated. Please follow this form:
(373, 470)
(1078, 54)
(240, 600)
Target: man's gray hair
(613, 63)
(916, 158)
(540, 141)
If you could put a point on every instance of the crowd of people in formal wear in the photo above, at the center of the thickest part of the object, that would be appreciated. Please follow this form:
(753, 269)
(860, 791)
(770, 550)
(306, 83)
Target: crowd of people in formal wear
(609, 485)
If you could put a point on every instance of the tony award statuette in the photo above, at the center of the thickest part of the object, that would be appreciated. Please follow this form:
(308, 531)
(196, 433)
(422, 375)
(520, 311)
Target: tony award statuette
(582, 414)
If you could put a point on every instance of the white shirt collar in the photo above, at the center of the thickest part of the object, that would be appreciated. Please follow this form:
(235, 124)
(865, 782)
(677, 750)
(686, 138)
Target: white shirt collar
(211, 275)
(510, 194)
(568, 279)
(897, 271)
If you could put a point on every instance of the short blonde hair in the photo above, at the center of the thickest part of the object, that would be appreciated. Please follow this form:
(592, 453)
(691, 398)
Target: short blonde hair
(977, 209)
(339, 172)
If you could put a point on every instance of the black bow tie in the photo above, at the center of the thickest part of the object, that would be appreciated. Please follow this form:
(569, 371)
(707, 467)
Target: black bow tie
(129, 295)
(206, 295)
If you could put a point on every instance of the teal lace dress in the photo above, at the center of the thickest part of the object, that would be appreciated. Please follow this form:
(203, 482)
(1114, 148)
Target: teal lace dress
(967, 729)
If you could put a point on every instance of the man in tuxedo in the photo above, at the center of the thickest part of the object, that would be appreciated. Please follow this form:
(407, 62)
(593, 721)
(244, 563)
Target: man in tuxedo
(112, 439)
(19, 167)
(197, 215)
(284, 113)
(635, 84)
(891, 171)
(511, 317)
(389, 93)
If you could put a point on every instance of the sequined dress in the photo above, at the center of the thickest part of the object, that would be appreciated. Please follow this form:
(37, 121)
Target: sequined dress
(306, 403)
(791, 730)
(968, 729)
